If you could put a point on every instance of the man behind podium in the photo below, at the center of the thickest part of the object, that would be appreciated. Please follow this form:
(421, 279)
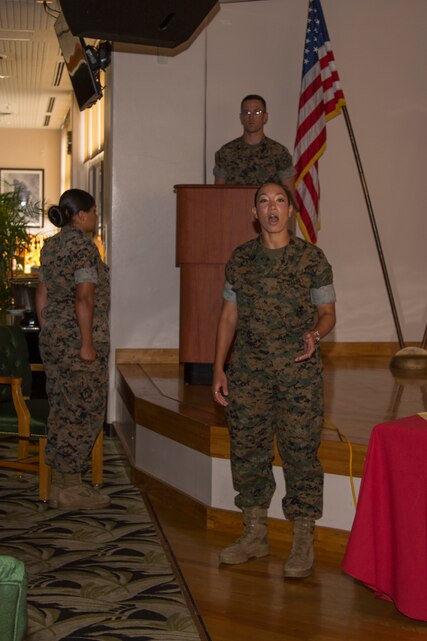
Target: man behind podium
(253, 158)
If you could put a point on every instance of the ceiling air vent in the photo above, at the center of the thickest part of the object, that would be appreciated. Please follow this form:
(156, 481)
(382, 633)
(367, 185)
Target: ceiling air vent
(57, 76)
(46, 121)
(50, 105)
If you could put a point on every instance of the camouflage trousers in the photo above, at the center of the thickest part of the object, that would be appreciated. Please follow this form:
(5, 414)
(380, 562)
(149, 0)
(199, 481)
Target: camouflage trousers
(77, 394)
(263, 403)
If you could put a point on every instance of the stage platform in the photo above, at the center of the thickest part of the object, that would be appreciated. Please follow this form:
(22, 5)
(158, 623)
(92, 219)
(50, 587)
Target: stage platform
(176, 435)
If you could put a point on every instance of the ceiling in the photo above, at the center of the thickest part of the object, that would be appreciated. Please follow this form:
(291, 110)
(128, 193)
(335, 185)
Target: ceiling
(35, 89)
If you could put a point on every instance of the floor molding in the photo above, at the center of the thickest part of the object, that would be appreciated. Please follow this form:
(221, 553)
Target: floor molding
(225, 520)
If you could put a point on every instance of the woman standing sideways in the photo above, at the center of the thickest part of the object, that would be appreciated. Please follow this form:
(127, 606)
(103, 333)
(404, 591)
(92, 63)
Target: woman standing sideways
(72, 301)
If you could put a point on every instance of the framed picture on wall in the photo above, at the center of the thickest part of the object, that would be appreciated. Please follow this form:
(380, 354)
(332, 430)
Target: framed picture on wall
(30, 184)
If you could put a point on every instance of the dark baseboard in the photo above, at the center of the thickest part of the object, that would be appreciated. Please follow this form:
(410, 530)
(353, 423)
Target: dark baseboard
(198, 373)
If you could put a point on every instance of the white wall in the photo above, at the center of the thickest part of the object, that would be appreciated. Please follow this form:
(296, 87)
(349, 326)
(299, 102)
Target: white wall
(378, 48)
(158, 138)
(257, 48)
(156, 142)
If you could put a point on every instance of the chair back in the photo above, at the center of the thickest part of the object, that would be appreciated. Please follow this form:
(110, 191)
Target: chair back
(14, 359)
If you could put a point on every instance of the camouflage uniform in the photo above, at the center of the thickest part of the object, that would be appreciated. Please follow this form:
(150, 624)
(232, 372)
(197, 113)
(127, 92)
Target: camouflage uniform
(241, 164)
(268, 392)
(76, 390)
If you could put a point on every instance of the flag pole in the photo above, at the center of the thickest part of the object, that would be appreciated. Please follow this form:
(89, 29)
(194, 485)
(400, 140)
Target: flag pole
(374, 226)
(410, 359)
(424, 341)
(321, 98)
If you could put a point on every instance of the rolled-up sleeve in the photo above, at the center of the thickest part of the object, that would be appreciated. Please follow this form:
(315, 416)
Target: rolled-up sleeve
(228, 293)
(323, 295)
(86, 275)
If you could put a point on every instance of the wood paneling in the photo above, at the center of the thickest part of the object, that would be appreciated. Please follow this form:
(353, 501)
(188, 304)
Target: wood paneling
(212, 220)
(139, 355)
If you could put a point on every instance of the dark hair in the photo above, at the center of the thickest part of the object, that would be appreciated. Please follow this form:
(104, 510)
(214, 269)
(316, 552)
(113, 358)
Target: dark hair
(274, 182)
(254, 96)
(71, 202)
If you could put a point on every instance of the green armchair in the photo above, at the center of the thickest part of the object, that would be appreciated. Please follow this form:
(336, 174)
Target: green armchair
(13, 599)
(21, 416)
(26, 418)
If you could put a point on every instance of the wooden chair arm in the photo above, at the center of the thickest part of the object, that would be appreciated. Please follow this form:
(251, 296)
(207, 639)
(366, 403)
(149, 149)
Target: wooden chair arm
(10, 380)
(19, 403)
(37, 367)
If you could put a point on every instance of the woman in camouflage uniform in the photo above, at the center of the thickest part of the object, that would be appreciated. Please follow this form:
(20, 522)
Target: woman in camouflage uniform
(278, 296)
(73, 298)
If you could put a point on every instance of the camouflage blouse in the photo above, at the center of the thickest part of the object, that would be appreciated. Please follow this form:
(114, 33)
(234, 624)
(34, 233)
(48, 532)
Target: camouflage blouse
(67, 259)
(241, 164)
(274, 298)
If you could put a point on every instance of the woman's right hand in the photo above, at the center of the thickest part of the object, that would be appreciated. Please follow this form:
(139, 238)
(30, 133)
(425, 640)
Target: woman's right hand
(224, 337)
(87, 354)
(220, 388)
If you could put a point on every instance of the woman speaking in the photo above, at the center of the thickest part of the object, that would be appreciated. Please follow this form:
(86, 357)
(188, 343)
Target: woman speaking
(278, 304)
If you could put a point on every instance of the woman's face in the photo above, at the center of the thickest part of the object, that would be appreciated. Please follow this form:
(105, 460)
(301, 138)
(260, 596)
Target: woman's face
(272, 209)
(91, 220)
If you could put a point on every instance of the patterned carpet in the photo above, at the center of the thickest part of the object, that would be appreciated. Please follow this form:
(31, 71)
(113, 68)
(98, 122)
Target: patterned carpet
(101, 576)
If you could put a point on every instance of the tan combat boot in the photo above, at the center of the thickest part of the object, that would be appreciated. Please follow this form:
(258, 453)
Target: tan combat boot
(56, 483)
(300, 562)
(253, 542)
(77, 496)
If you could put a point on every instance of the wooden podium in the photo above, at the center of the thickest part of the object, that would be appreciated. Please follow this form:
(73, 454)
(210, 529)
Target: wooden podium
(211, 221)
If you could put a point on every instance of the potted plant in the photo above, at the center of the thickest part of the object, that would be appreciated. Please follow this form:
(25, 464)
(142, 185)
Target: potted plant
(14, 238)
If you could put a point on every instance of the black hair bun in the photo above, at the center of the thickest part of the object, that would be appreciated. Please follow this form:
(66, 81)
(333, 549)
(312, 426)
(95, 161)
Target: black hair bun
(56, 216)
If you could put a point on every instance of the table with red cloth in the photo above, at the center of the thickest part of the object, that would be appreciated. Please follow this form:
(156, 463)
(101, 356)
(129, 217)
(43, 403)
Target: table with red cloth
(387, 548)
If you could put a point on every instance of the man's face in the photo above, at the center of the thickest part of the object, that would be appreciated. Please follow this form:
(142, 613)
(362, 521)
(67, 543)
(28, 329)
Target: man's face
(253, 116)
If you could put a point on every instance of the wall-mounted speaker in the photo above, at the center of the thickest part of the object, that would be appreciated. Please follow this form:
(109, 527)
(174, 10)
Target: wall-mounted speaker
(161, 23)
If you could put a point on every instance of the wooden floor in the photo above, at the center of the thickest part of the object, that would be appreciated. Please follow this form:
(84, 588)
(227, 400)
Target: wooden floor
(362, 392)
(251, 602)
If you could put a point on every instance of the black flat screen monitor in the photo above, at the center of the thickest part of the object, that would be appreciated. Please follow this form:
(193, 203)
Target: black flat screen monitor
(85, 81)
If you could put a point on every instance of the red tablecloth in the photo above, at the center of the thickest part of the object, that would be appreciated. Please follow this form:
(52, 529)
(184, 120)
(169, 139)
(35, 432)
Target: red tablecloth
(387, 548)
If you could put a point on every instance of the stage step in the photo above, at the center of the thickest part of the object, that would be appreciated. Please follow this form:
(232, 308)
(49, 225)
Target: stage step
(157, 398)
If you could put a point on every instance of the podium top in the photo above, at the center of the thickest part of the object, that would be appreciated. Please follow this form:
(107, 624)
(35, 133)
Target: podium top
(219, 187)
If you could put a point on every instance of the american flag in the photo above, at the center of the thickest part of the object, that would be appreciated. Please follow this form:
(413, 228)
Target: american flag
(321, 99)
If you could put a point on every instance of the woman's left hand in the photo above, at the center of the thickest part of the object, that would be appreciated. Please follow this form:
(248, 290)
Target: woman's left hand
(309, 347)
